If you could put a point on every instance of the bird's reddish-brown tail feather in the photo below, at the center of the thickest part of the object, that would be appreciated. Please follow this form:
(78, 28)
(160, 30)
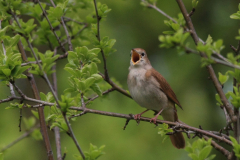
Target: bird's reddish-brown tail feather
(177, 140)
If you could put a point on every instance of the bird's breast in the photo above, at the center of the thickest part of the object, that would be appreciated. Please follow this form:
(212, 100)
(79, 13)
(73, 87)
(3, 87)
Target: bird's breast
(146, 91)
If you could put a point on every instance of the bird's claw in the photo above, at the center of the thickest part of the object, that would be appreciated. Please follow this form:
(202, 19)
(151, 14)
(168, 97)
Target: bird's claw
(137, 116)
(154, 120)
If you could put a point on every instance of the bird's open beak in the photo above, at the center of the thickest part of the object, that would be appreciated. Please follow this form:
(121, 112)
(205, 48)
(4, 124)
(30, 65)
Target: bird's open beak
(135, 57)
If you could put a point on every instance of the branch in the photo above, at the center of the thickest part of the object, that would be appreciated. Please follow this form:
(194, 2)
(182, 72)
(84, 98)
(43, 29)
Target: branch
(65, 29)
(4, 53)
(209, 67)
(99, 39)
(67, 19)
(105, 92)
(160, 11)
(116, 87)
(55, 34)
(51, 88)
(56, 129)
(177, 124)
(37, 96)
(26, 134)
(225, 152)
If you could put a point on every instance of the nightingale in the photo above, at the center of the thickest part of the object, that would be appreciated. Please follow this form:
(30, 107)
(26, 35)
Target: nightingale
(151, 91)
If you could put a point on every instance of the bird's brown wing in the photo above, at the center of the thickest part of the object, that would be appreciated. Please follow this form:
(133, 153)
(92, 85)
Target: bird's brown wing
(164, 86)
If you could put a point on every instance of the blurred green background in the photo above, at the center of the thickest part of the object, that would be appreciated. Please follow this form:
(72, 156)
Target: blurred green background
(133, 26)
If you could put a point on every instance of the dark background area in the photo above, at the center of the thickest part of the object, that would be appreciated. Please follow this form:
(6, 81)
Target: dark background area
(134, 26)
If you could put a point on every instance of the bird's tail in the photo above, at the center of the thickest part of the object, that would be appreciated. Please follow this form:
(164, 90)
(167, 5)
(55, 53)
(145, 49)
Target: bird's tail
(177, 138)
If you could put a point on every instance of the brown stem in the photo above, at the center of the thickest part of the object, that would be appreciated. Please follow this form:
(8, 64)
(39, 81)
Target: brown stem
(177, 124)
(116, 87)
(105, 92)
(37, 96)
(213, 76)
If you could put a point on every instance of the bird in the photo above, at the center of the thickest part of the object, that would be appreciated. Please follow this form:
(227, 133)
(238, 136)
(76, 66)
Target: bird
(151, 91)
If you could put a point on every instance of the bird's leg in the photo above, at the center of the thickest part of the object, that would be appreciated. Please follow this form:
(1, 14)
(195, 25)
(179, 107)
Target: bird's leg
(138, 116)
(154, 120)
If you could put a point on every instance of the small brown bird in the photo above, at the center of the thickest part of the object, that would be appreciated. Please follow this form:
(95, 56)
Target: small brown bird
(150, 90)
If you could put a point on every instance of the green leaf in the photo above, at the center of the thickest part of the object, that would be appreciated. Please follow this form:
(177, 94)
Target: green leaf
(205, 152)
(209, 40)
(7, 72)
(96, 89)
(97, 78)
(194, 3)
(222, 78)
(3, 31)
(35, 113)
(235, 16)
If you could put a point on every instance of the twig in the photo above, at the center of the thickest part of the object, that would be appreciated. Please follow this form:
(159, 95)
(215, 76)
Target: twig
(116, 87)
(192, 11)
(67, 19)
(37, 96)
(65, 29)
(58, 143)
(64, 156)
(218, 147)
(105, 92)
(7, 99)
(20, 120)
(127, 121)
(56, 129)
(73, 137)
(209, 67)
(51, 88)
(26, 134)
(99, 39)
(4, 53)
(45, 14)
(160, 11)
(178, 124)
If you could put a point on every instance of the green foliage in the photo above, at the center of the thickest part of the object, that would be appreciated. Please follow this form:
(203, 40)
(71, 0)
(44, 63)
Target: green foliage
(237, 14)
(222, 78)
(26, 27)
(106, 45)
(66, 102)
(47, 63)
(235, 74)
(15, 106)
(200, 150)
(103, 10)
(10, 60)
(93, 154)
(235, 97)
(164, 130)
(177, 39)
(194, 3)
(83, 69)
(236, 147)
(55, 13)
(209, 48)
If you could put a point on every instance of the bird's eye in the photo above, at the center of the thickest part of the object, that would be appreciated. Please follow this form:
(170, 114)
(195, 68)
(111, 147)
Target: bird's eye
(143, 54)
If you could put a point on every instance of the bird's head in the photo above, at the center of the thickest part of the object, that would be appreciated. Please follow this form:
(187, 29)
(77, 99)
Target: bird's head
(139, 58)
